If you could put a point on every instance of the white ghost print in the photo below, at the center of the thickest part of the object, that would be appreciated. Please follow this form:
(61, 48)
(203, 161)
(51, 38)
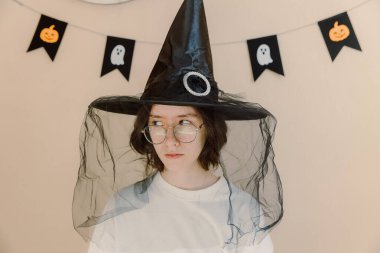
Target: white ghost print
(117, 55)
(263, 55)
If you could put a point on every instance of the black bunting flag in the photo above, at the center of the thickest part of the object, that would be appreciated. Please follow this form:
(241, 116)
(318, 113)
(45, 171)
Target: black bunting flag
(337, 32)
(49, 34)
(118, 55)
(264, 54)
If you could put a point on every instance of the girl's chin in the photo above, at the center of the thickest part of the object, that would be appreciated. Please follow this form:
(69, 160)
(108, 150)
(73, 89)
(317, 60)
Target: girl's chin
(174, 165)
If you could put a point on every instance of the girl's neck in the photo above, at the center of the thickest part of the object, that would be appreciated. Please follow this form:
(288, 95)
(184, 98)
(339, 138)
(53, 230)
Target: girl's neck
(193, 179)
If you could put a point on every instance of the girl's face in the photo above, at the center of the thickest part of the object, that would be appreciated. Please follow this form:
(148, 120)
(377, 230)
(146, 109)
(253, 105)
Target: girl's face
(174, 154)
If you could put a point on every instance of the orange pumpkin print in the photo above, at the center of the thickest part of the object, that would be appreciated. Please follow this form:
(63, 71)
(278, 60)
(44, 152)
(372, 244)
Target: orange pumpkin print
(339, 32)
(49, 35)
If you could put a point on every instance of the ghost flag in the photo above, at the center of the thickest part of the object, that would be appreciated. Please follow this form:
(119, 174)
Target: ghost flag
(48, 34)
(118, 55)
(264, 53)
(338, 32)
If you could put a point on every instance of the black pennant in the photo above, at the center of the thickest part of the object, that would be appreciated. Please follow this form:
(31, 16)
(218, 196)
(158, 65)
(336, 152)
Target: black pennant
(337, 32)
(49, 34)
(264, 54)
(118, 55)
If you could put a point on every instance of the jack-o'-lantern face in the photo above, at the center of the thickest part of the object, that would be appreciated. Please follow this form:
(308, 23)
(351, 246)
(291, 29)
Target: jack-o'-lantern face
(339, 32)
(49, 35)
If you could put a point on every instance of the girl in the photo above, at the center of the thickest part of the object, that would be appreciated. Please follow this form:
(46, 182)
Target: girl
(183, 168)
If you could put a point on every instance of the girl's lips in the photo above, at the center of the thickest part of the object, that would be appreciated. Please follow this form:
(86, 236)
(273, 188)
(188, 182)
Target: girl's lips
(173, 156)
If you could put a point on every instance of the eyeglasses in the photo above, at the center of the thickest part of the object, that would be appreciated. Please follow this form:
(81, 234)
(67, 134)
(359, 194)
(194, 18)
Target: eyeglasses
(184, 132)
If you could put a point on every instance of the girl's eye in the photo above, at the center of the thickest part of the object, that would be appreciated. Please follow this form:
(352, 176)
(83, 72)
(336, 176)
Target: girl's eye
(184, 122)
(156, 123)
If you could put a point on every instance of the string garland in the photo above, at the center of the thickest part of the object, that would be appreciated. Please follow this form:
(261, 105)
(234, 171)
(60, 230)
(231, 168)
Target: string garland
(264, 52)
(213, 44)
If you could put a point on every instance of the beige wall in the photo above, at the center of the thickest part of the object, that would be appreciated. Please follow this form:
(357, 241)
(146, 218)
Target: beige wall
(327, 142)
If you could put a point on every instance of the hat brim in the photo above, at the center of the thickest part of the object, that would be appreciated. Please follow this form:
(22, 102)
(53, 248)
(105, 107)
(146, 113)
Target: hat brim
(232, 109)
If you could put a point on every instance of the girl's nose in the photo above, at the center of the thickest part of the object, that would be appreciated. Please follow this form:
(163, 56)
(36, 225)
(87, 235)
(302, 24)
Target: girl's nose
(170, 137)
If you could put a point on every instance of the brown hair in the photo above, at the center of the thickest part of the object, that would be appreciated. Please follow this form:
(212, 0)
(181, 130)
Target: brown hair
(216, 137)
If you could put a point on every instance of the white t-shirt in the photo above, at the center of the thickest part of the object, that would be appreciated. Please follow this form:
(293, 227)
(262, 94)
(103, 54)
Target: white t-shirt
(179, 221)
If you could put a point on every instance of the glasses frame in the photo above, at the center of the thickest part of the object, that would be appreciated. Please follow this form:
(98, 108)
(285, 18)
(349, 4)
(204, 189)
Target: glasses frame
(146, 128)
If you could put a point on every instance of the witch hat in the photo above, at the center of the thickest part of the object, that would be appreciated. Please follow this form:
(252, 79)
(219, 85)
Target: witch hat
(183, 73)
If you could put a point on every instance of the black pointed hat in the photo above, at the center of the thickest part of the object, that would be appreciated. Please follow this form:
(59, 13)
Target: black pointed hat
(183, 73)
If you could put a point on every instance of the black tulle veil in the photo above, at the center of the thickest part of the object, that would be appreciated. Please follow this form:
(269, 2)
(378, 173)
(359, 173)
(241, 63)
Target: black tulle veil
(109, 165)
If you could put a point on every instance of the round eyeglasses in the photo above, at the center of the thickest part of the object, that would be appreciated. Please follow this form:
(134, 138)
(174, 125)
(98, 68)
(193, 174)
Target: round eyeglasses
(184, 132)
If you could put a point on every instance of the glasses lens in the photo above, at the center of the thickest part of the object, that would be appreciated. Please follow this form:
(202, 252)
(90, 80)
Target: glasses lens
(185, 133)
(155, 134)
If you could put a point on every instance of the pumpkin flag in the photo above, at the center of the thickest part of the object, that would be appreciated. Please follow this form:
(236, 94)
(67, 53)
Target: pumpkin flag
(264, 53)
(49, 34)
(118, 55)
(337, 32)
